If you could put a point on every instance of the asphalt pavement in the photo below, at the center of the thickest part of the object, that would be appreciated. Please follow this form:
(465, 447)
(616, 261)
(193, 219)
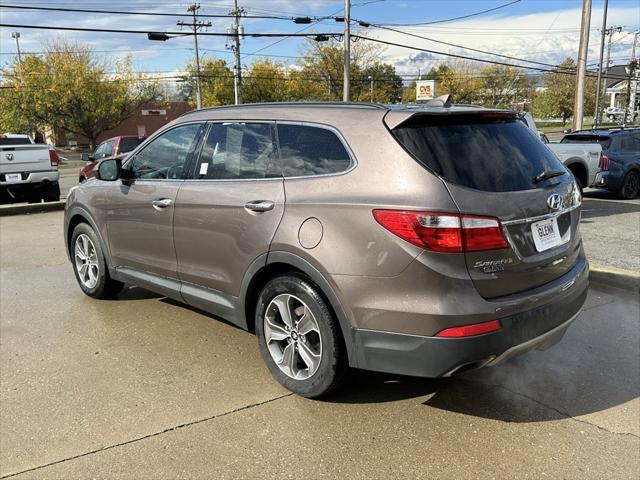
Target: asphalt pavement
(143, 387)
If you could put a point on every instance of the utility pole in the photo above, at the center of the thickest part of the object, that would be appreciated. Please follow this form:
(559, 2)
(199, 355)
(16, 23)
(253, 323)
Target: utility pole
(371, 87)
(236, 32)
(596, 115)
(16, 35)
(578, 107)
(346, 92)
(195, 26)
(630, 107)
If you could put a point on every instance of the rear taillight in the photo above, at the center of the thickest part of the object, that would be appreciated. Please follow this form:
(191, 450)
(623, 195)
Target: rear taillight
(470, 330)
(53, 157)
(443, 232)
(605, 163)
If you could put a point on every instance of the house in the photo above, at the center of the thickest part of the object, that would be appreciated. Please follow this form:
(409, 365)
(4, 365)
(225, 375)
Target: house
(616, 87)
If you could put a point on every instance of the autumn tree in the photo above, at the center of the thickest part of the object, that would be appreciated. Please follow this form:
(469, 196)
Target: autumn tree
(558, 97)
(503, 86)
(216, 80)
(265, 81)
(69, 89)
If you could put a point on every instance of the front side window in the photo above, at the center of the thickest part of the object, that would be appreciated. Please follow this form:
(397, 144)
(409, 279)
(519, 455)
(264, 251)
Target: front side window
(307, 150)
(165, 156)
(238, 151)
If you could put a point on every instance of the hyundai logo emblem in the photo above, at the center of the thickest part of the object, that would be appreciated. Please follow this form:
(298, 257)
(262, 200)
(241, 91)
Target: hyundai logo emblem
(554, 201)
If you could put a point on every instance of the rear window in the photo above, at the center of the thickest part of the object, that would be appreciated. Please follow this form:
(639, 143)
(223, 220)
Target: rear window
(129, 143)
(493, 154)
(14, 141)
(604, 141)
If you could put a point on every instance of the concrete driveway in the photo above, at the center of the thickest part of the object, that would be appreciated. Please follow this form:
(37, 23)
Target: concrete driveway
(142, 387)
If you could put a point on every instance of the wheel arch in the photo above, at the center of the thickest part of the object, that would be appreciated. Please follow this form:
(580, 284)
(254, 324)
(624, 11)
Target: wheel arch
(579, 170)
(267, 266)
(76, 216)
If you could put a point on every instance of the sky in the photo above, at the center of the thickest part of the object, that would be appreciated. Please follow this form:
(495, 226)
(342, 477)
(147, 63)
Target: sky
(541, 30)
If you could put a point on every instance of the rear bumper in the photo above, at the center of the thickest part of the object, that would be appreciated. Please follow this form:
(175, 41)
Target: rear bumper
(428, 356)
(32, 179)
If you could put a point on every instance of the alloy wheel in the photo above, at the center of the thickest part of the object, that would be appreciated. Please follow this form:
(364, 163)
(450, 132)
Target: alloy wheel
(293, 337)
(86, 261)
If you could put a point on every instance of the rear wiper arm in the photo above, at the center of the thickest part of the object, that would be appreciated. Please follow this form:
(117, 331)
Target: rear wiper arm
(547, 174)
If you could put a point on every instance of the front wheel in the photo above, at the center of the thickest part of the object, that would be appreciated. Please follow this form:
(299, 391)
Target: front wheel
(89, 264)
(630, 186)
(299, 337)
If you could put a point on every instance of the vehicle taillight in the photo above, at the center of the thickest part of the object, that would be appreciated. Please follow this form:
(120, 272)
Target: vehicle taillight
(53, 157)
(443, 232)
(605, 163)
(470, 330)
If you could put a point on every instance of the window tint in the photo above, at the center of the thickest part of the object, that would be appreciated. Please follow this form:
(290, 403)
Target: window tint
(604, 141)
(166, 155)
(238, 151)
(630, 143)
(14, 141)
(309, 150)
(129, 143)
(494, 154)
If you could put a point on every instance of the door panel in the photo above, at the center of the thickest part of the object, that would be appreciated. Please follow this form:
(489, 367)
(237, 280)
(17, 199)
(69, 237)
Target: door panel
(140, 234)
(218, 231)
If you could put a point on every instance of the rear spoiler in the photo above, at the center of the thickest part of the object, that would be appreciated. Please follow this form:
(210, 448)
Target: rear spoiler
(395, 118)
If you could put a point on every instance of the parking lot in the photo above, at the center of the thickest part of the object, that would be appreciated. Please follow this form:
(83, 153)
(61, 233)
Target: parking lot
(142, 387)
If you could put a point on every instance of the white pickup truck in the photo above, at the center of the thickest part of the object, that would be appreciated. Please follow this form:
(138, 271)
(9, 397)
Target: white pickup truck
(583, 160)
(28, 171)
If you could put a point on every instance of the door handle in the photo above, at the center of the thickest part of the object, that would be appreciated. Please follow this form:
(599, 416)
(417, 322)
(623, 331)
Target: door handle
(161, 203)
(259, 205)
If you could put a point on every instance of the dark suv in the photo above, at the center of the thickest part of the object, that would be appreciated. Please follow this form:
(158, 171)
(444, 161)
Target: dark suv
(620, 160)
(416, 241)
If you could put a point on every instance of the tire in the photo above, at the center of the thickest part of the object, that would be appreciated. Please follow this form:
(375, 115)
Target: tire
(318, 338)
(630, 186)
(52, 193)
(94, 281)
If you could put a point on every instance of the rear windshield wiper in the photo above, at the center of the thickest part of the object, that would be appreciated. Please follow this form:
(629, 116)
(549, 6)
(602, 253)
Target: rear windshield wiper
(547, 174)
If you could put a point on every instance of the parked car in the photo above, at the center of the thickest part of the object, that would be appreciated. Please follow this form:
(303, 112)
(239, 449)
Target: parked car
(28, 171)
(620, 162)
(422, 242)
(116, 147)
(582, 160)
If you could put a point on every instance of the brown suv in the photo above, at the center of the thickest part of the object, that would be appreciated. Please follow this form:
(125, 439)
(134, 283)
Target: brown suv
(419, 241)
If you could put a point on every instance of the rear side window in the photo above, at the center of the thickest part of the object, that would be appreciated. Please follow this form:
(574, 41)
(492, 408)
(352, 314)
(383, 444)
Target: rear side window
(307, 150)
(128, 144)
(493, 154)
(603, 140)
(238, 151)
(14, 141)
(630, 143)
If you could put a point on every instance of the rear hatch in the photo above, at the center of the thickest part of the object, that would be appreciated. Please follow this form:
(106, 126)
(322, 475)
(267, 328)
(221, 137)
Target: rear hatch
(489, 162)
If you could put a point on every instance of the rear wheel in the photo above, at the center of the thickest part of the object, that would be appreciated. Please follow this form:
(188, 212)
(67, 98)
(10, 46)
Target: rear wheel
(51, 193)
(299, 338)
(630, 186)
(89, 264)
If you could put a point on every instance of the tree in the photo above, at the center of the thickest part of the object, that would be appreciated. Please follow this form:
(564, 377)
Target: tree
(558, 97)
(387, 85)
(503, 86)
(265, 81)
(216, 80)
(68, 89)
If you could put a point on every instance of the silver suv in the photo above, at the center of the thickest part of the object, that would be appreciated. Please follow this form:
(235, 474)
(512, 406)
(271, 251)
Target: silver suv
(415, 241)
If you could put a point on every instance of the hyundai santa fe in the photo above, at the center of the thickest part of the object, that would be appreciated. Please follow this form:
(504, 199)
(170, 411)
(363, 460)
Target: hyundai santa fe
(418, 241)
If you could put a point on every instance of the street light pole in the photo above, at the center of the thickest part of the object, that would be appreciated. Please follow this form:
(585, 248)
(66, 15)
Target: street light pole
(16, 35)
(346, 92)
(578, 107)
(596, 115)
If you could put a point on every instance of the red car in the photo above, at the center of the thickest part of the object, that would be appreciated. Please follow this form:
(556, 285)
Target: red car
(116, 147)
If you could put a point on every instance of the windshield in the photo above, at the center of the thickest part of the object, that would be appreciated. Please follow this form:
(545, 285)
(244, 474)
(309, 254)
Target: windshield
(485, 152)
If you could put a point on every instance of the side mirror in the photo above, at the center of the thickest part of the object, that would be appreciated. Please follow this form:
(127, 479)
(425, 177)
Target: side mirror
(85, 157)
(109, 170)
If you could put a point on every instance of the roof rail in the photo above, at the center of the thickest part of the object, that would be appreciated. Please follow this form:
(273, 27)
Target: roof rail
(376, 106)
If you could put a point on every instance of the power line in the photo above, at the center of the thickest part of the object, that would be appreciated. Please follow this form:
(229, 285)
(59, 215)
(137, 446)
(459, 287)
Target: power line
(121, 12)
(454, 18)
(145, 32)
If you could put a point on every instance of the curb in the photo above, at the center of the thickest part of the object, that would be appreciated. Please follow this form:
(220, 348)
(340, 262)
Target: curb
(613, 276)
(31, 208)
